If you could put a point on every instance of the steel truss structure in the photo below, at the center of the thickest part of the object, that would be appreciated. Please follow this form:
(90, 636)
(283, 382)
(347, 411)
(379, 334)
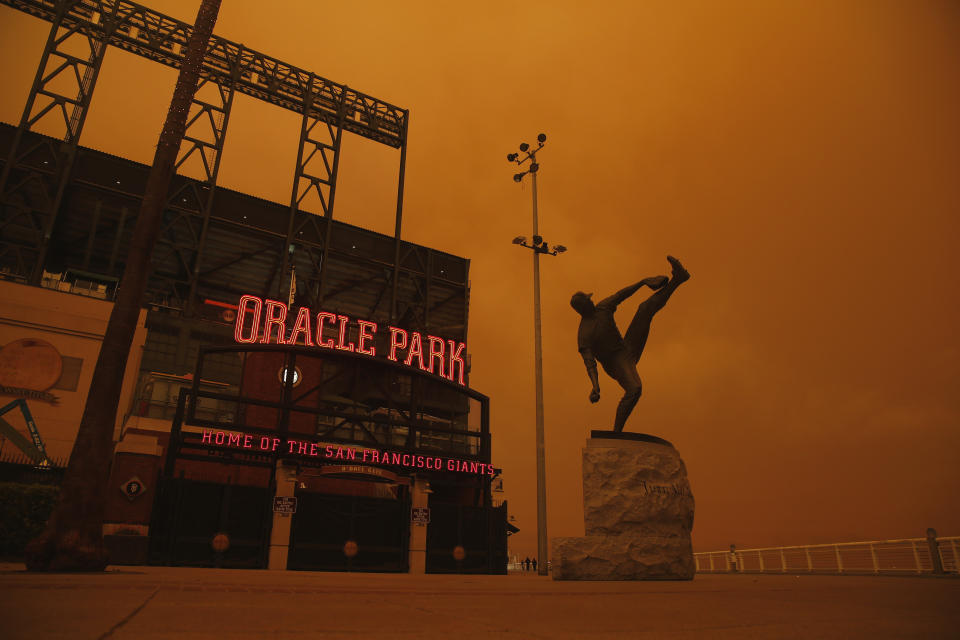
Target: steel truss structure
(67, 208)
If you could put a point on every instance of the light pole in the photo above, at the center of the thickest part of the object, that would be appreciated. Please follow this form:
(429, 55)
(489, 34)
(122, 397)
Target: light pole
(538, 246)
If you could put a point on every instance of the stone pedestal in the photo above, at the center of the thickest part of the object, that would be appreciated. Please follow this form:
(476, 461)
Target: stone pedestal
(637, 512)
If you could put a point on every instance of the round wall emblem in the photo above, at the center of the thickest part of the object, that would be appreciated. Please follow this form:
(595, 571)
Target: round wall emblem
(286, 371)
(133, 488)
(459, 553)
(350, 548)
(30, 364)
(220, 542)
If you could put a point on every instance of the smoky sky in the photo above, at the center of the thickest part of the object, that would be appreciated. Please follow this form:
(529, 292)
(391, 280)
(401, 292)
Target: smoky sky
(801, 158)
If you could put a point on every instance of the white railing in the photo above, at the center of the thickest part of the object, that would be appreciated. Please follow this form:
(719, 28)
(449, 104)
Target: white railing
(909, 556)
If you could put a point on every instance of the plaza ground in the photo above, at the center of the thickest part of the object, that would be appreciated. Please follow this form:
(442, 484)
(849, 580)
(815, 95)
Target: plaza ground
(165, 602)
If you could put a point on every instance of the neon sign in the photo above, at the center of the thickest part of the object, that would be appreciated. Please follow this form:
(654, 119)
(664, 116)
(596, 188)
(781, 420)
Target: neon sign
(264, 321)
(291, 446)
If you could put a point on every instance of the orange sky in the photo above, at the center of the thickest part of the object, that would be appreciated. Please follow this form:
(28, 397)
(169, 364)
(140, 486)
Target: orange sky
(801, 158)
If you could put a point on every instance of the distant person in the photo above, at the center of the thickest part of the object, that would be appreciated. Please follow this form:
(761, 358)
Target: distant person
(599, 339)
(534, 564)
(526, 563)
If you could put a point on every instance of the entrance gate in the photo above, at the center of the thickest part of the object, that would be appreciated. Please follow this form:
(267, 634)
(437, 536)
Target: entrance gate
(230, 446)
(481, 535)
(324, 527)
(206, 524)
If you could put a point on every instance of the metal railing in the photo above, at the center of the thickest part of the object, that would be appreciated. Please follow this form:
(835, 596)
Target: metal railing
(880, 557)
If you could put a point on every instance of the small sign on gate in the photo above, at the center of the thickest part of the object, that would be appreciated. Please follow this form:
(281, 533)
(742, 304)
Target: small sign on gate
(285, 504)
(420, 515)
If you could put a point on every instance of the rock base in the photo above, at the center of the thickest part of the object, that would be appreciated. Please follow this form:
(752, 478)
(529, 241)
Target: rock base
(638, 513)
(622, 558)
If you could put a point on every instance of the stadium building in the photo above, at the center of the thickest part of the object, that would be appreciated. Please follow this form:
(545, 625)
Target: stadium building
(297, 395)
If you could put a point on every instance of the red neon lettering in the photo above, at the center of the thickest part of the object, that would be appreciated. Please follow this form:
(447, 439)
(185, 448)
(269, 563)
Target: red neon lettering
(351, 454)
(276, 443)
(455, 357)
(365, 453)
(438, 463)
(323, 315)
(429, 463)
(292, 444)
(264, 443)
(474, 468)
(302, 325)
(406, 459)
(436, 352)
(374, 456)
(241, 314)
(396, 458)
(329, 453)
(272, 320)
(343, 335)
(438, 356)
(419, 461)
(364, 326)
(313, 449)
(450, 465)
(246, 441)
(394, 343)
(302, 448)
(489, 469)
(233, 439)
(219, 437)
(207, 436)
(416, 349)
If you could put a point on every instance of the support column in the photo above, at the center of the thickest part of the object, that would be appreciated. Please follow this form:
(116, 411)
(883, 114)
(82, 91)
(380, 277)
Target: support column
(280, 533)
(418, 532)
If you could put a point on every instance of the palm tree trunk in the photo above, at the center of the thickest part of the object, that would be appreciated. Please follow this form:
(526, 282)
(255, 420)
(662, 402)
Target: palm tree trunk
(73, 537)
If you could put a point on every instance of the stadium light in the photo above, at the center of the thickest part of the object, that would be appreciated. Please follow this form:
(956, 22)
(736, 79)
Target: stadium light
(538, 246)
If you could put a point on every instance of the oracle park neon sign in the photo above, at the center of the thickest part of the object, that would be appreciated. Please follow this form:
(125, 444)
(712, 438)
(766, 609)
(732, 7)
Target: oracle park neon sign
(264, 321)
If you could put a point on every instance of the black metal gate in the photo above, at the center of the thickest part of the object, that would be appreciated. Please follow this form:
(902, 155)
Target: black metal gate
(207, 524)
(465, 539)
(349, 533)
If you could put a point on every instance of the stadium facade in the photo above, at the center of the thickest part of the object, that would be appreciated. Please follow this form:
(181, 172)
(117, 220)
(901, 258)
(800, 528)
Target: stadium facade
(297, 394)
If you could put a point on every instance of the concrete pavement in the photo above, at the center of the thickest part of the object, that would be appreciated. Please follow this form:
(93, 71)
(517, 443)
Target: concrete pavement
(166, 602)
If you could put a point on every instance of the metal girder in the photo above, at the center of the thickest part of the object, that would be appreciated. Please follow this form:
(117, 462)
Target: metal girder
(36, 173)
(190, 202)
(186, 218)
(399, 219)
(319, 149)
(151, 34)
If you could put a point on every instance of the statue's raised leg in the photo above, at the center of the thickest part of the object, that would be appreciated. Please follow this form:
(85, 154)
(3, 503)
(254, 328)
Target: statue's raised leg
(635, 339)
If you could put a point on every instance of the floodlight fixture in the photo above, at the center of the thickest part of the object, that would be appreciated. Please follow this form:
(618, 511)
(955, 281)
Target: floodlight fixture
(559, 248)
(542, 138)
(524, 146)
(519, 240)
(517, 177)
(511, 157)
(537, 239)
(534, 167)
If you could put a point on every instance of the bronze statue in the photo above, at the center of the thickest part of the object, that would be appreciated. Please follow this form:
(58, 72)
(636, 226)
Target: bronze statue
(599, 338)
